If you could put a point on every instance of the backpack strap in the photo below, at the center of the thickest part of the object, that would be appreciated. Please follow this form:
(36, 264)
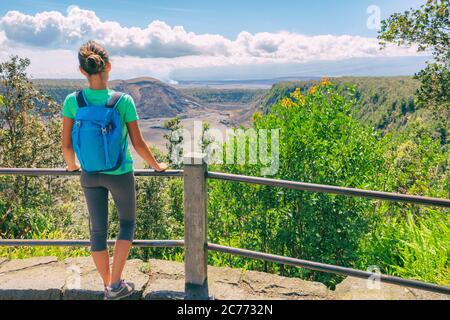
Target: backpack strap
(112, 103)
(80, 99)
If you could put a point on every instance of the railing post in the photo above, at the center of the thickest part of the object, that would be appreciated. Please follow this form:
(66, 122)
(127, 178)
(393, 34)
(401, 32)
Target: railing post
(195, 228)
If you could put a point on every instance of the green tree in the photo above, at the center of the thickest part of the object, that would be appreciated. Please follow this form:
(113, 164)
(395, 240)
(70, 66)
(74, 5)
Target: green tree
(429, 28)
(30, 131)
(319, 143)
(27, 116)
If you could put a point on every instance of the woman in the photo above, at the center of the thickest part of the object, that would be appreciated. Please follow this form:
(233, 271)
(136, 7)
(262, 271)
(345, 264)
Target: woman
(95, 66)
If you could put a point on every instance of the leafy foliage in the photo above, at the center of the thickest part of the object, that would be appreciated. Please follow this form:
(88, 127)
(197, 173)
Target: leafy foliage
(428, 28)
(384, 103)
(410, 247)
(59, 252)
(29, 138)
(319, 143)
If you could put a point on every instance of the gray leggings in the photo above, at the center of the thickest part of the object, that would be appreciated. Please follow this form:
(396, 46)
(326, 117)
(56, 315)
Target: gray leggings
(122, 188)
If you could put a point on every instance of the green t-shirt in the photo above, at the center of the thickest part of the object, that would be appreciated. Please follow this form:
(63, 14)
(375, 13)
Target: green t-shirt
(126, 108)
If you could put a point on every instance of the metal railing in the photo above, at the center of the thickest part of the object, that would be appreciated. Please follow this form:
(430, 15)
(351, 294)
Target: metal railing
(389, 196)
(62, 172)
(86, 243)
(196, 246)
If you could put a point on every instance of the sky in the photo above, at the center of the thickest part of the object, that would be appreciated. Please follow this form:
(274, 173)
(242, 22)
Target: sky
(208, 40)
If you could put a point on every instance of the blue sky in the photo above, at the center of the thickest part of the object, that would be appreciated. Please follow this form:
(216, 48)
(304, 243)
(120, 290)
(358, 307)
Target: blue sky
(215, 38)
(229, 17)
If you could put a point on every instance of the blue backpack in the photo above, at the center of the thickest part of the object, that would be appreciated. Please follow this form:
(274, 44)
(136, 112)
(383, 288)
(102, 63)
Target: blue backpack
(97, 135)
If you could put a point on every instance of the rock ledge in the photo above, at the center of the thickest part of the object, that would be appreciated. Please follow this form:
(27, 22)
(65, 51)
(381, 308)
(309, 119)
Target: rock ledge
(76, 278)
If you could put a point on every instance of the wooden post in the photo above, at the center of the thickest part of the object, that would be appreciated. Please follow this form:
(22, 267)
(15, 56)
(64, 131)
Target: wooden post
(195, 228)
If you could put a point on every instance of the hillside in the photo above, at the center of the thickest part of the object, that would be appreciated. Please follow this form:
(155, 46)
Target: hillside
(225, 95)
(382, 102)
(153, 98)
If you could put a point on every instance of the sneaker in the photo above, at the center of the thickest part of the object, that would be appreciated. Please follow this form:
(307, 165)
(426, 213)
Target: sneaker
(124, 290)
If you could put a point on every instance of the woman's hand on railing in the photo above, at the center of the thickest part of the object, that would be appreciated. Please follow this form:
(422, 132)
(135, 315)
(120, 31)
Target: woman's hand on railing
(73, 168)
(162, 166)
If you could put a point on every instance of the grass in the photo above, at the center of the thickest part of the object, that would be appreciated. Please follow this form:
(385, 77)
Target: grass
(409, 247)
(59, 252)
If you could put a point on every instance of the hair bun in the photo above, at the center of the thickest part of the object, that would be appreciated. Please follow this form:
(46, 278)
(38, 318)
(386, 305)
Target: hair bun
(95, 63)
(93, 57)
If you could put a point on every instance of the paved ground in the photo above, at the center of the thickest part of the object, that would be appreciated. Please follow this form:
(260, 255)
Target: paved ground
(76, 278)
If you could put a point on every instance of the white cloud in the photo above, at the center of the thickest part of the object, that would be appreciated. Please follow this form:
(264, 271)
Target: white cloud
(52, 29)
(159, 49)
(2, 41)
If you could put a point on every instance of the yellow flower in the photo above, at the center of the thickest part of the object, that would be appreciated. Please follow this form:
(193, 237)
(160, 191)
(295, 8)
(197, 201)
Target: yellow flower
(325, 81)
(313, 90)
(257, 115)
(302, 99)
(286, 102)
(296, 94)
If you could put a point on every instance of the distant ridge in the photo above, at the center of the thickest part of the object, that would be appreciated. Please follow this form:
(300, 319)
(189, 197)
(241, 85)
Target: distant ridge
(247, 82)
(153, 98)
(135, 81)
